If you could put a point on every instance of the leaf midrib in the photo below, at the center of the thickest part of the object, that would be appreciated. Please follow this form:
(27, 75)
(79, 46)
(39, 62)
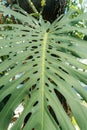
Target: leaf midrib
(42, 78)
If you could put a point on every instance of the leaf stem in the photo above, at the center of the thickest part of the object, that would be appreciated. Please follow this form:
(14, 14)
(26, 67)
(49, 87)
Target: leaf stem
(33, 7)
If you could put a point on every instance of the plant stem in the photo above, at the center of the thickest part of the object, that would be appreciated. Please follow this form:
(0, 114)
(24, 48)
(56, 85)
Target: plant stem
(33, 7)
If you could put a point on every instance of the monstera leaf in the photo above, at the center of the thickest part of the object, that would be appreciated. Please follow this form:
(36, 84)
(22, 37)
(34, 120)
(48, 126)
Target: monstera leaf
(41, 67)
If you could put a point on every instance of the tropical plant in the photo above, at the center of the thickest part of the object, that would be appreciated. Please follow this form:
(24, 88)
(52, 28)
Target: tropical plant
(47, 57)
(49, 9)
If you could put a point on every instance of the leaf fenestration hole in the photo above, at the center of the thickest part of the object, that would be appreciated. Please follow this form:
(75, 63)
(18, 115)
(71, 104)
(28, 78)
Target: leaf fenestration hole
(1, 86)
(54, 55)
(38, 56)
(47, 68)
(47, 84)
(36, 52)
(26, 80)
(50, 91)
(53, 114)
(35, 103)
(37, 88)
(49, 62)
(29, 57)
(32, 87)
(29, 95)
(35, 72)
(47, 99)
(33, 129)
(63, 70)
(63, 102)
(34, 40)
(52, 82)
(58, 42)
(4, 57)
(38, 79)
(35, 65)
(50, 47)
(60, 76)
(4, 102)
(27, 118)
(34, 47)
(48, 51)
(33, 59)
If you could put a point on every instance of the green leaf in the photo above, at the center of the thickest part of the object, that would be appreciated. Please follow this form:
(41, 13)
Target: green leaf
(47, 60)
